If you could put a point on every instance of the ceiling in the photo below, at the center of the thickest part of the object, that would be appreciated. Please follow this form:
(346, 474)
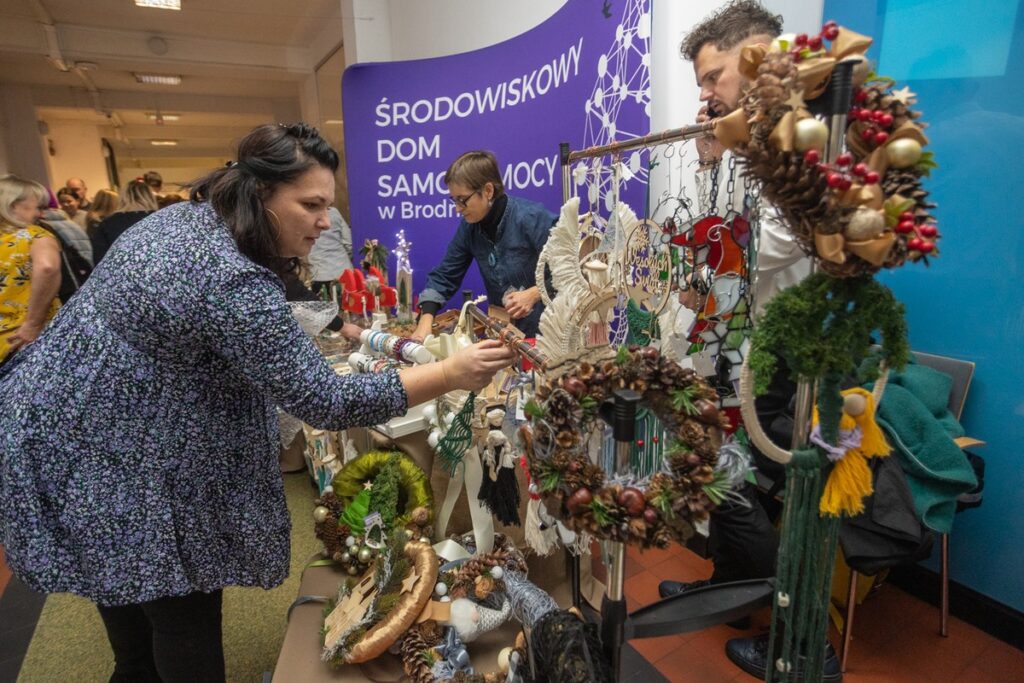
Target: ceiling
(241, 62)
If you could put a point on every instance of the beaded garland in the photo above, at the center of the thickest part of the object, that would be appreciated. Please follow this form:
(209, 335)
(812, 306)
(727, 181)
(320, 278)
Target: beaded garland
(650, 511)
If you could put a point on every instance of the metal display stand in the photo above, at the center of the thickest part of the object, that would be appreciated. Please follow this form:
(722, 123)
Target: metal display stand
(718, 603)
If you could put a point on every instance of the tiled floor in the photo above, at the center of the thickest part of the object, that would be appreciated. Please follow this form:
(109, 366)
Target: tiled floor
(896, 635)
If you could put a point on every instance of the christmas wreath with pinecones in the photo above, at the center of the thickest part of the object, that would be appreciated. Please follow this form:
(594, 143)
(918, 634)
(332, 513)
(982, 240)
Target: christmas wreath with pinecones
(862, 211)
(649, 512)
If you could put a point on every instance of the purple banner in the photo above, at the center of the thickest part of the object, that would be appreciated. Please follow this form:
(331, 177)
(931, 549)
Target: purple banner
(580, 77)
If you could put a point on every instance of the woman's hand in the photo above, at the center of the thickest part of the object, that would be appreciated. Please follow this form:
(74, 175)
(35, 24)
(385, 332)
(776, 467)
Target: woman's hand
(519, 304)
(351, 331)
(475, 366)
(24, 335)
(423, 328)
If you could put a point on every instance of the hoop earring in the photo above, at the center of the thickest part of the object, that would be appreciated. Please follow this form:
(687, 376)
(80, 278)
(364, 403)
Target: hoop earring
(276, 221)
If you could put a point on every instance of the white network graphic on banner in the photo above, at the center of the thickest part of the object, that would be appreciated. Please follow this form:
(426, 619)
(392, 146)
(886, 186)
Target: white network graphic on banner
(623, 81)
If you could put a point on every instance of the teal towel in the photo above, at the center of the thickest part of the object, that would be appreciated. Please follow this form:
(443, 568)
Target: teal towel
(920, 428)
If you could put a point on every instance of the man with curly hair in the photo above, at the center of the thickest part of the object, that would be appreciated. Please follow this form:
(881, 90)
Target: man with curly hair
(742, 541)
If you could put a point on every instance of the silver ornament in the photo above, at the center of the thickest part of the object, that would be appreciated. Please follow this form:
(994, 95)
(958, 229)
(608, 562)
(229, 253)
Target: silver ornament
(350, 541)
(497, 572)
(441, 589)
(365, 555)
(320, 513)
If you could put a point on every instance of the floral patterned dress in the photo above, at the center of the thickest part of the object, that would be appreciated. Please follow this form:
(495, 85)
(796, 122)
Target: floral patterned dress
(15, 281)
(138, 435)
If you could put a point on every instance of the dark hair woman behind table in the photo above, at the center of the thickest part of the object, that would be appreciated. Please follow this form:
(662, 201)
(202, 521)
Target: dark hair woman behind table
(503, 234)
(138, 465)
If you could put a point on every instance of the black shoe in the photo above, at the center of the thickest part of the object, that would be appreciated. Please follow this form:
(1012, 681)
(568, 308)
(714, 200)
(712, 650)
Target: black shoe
(667, 589)
(751, 654)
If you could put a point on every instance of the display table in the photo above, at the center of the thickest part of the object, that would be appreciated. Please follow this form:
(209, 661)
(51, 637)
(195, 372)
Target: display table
(299, 659)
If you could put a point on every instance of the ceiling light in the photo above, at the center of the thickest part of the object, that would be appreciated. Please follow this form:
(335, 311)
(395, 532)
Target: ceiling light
(164, 117)
(159, 4)
(164, 143)
(158, 79)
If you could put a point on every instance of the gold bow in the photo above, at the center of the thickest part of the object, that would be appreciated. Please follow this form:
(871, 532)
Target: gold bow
(877, 159)
(833, 247)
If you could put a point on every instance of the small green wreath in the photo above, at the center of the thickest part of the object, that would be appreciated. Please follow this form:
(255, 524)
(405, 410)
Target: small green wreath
(412, 485)
(652, 512)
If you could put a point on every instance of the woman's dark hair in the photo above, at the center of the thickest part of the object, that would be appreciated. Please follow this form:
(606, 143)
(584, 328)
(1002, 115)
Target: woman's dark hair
(474, 170)
(269, 156)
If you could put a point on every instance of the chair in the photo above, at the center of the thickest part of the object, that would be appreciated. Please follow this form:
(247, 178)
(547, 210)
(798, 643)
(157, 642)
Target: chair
(961, 371)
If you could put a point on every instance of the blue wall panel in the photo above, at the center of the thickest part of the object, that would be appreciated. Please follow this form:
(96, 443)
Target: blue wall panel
(965, 62)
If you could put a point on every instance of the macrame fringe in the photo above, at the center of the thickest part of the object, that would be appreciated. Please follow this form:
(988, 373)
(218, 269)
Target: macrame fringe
(803, 577)
(501, 495)
(540, 537)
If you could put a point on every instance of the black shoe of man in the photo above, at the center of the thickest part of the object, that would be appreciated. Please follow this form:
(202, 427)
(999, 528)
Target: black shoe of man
(667, 589)
(751, 655)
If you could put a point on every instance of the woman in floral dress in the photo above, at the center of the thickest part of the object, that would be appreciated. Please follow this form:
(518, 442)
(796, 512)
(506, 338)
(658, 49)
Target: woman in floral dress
(138, 436)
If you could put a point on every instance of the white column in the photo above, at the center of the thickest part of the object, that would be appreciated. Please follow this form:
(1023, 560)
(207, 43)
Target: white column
(25, 153)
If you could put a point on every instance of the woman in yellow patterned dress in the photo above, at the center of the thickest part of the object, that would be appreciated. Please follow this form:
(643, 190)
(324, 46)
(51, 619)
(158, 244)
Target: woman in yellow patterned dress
(29, 265)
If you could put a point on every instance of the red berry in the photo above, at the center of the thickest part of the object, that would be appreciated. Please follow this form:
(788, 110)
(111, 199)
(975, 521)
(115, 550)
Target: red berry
(829, 23)
(814, 43)
(795, 54)
(871, 177)
(881, 137)
(640, 443)
(844, 159)
(885, 120)
(654, 439)
(835, 180)
(926, 247)
(928, 230)
(914, 243)
(846, 184)
(812, 156)
(860, 96)
(877, 114)
(905, 227)
(860, 169)
(801, 39)
(868, 133)
(907, 216)
(832, 32)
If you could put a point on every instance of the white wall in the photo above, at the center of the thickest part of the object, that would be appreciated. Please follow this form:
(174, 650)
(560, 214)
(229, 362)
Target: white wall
(77, 153)
(674, 93)
(388, 30)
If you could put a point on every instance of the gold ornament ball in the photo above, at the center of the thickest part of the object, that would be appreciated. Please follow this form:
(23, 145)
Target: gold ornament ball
(320, 513)
(365, 555)
(903, 152)
(503, 659)
(810, 134)
(864, 224)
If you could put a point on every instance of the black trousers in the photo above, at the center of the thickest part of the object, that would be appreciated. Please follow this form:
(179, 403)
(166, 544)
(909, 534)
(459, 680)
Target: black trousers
(742, 541)
(170, 640)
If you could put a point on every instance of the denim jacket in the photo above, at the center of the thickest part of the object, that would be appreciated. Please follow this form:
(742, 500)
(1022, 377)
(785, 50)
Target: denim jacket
(510, 261)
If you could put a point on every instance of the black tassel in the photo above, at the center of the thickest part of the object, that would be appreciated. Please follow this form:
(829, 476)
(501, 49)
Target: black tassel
(501, 496)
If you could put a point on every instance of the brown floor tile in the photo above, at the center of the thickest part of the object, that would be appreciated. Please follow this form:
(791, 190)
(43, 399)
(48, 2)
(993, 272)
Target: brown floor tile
(690, 664)
(652, 556)
(642, 589)
(1000, 661)
(654, 649)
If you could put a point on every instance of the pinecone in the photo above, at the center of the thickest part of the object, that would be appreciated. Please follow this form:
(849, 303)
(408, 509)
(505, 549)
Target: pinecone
(878, 96)
(563, 410)
(907, 183)
(413, 662)
(775, 76)
(796, 188)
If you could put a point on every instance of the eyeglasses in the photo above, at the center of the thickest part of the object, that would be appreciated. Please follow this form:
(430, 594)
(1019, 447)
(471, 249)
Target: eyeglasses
(462, 201)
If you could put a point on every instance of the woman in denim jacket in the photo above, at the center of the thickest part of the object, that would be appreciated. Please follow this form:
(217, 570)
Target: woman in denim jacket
(504, 234)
